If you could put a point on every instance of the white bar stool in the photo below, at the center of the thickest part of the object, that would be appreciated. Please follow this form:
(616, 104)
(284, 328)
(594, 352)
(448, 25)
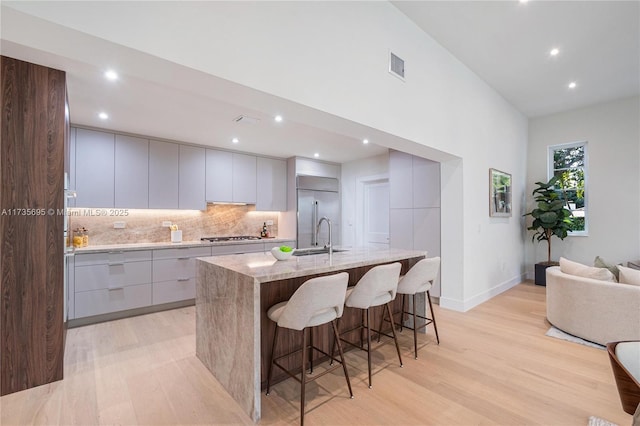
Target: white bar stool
(419, 279)
(377, 287)
(316, 302)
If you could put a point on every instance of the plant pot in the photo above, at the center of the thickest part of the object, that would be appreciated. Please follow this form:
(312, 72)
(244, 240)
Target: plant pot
(541, 272)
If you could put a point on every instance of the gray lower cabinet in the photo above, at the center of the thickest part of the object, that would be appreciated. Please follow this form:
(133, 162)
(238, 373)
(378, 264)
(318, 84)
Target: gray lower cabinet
(174, 273)
(111, 281)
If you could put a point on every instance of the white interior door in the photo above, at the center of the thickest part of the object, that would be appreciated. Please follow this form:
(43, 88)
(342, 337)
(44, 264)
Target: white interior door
(376, 214)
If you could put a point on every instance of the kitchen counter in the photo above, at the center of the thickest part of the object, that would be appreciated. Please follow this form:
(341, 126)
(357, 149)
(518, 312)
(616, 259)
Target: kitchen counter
(168, 245)
(233, 295)
(263, 267)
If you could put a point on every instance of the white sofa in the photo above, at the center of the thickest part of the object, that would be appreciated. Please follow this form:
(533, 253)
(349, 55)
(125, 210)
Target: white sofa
(594, 310)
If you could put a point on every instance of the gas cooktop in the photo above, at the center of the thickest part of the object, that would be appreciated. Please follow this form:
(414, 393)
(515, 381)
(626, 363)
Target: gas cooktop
(234, 238)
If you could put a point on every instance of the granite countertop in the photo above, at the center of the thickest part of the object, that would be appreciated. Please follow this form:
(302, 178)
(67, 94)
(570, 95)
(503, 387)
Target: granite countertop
(169, 245)
(264, 267)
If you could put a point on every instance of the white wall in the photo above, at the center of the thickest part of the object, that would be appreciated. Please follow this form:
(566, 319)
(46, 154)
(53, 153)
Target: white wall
(613, 179)
(351, 173)
(333, 57)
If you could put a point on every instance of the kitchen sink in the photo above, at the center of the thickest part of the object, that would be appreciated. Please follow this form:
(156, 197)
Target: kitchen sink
(314, 250)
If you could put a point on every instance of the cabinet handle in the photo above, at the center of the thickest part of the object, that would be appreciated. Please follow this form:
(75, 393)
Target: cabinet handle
(182, 279)
(117, 264)
(116, 252)
(183, 258)
(115, 288)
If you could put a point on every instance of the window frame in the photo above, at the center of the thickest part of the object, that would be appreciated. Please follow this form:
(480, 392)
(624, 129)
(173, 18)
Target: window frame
(585, 168)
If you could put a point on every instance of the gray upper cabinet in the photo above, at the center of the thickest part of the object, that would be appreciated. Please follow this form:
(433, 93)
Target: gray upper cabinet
(244, 178)
(131, 172)
(94, 172)
(400, 180)
(271, 184)
(219, 176)
(163, 175)
(230, 177)
(426, 183)
(192, 178)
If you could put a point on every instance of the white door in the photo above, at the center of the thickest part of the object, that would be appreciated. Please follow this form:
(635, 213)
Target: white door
(376, 214)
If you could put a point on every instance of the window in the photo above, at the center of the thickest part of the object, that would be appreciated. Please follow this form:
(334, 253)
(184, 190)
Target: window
(569, 163)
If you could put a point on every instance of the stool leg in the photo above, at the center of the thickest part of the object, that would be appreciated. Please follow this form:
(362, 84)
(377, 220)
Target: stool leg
(381, 324)
(303, 374)
(344, 364)
(433, 317)
(395, 338)
(336, 338)
(369, 345)
(362, 331)
(415, 328)
(273, 350)
(404, 296)
(311, 350)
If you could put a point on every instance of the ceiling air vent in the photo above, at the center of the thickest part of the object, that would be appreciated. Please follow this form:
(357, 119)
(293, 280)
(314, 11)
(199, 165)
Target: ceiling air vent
(245, 119)
(396, 65)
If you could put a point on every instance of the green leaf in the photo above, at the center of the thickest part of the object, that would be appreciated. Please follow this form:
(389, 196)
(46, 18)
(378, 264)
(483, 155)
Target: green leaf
(549, 218)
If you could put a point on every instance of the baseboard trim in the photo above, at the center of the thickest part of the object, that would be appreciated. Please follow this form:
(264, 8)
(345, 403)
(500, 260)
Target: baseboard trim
(472, 302)
(79, 322)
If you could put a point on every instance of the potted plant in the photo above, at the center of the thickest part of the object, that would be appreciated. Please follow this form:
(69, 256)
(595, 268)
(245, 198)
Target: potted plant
(550, 217)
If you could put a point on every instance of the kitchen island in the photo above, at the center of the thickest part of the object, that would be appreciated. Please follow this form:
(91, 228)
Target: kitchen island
(233, 294)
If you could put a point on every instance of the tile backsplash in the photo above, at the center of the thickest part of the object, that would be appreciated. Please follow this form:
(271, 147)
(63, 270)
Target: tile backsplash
(145, 226)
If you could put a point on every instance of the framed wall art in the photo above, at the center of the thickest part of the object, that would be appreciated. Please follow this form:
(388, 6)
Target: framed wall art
(499, 193)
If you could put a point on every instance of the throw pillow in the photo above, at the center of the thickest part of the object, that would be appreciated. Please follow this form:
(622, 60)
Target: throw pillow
(601, 263)
(629, 275)
(580, 270)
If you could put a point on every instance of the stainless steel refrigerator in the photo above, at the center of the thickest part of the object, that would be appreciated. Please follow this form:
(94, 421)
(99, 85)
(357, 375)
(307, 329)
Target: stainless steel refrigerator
(317, 197)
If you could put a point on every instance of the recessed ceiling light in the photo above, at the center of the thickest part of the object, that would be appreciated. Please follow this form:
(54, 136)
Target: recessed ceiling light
(278, 118)
(316, 155)
(111, 75)
(235, 140)
(554, 51)
(572, 85)
(523, 1)
(365, 141)
(103, 115)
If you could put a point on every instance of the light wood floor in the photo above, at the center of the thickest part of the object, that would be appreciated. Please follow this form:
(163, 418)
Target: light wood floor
(494, 365)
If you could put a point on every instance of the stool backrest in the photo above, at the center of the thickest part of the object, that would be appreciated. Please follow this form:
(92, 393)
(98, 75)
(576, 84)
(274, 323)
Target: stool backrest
(312, 297)
(375, 282)
(423, 272)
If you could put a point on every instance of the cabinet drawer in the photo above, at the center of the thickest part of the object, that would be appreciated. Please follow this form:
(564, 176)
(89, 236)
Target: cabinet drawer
(110, 257)
(174, 269)
(237, 249)
(174, 290)
(97, 277)
(96, 302)
(182, 252)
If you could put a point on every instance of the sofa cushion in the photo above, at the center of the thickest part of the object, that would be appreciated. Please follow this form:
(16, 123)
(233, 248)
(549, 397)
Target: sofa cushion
(601, 263)
(629, 275)
(580, 270)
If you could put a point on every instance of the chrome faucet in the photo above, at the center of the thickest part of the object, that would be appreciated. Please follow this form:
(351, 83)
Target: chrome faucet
(328, 245)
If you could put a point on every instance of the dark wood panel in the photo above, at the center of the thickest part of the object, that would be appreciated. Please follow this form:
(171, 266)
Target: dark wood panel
(32, 138)
(290, 340)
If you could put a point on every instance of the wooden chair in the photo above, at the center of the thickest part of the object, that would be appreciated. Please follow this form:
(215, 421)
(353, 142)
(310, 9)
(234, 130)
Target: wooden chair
(628, 385)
